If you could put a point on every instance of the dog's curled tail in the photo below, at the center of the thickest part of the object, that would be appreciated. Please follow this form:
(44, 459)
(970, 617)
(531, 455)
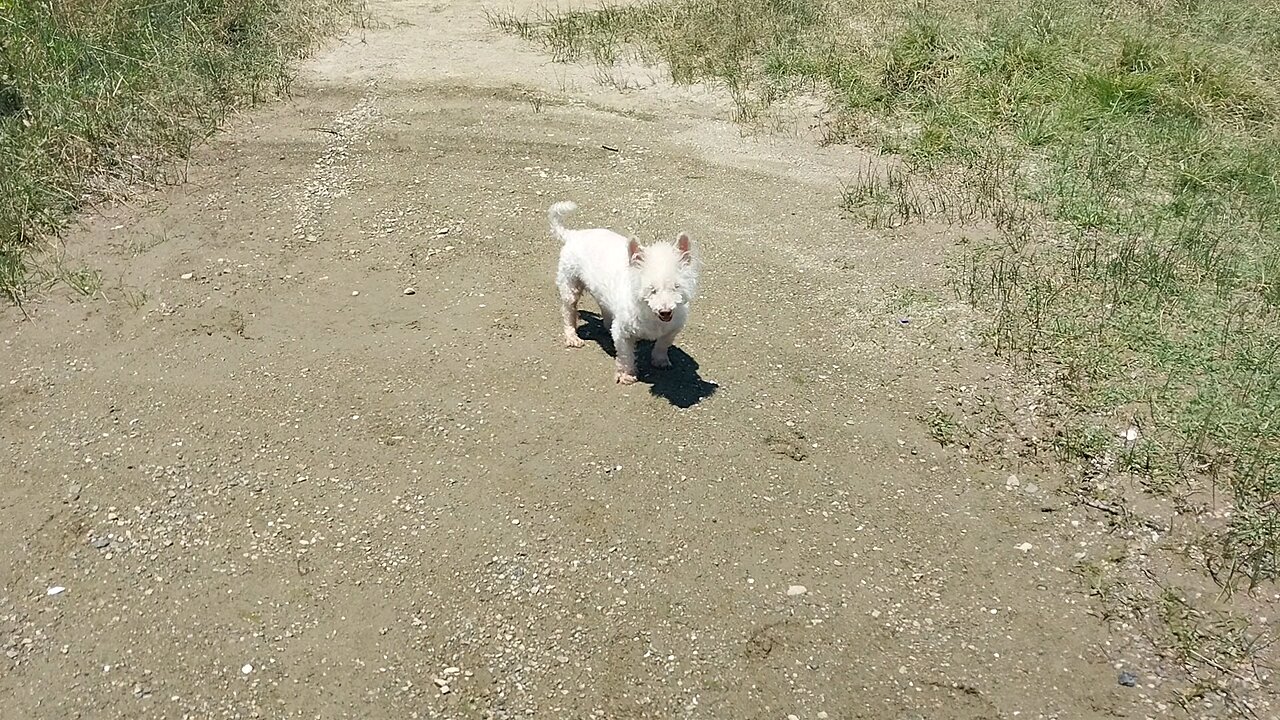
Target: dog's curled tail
(557, 214)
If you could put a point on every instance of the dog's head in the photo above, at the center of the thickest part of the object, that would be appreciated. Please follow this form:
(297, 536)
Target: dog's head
(668, 274)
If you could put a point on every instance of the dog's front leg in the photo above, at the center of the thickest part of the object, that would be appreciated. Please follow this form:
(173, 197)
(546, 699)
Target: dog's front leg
(659, 356)
(625, 347)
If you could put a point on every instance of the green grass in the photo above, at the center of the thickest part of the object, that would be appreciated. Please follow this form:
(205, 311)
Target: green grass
(943, 427)
(99, 96)
(1127, 157)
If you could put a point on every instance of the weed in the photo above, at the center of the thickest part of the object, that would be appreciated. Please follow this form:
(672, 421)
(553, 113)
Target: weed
(1216, 646)
(1219, 651)
(84, 280)
(1125, 156)
(1115, 599)
(1125, 161)
(13, 273)
(96, 97)
(135, 298)
(942, 426)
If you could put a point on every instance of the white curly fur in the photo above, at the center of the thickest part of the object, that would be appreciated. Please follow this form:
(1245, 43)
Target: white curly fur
(643, 291)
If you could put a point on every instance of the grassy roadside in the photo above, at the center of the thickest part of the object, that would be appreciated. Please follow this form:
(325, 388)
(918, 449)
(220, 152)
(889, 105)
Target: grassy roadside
(99, 95)
(1126, 157)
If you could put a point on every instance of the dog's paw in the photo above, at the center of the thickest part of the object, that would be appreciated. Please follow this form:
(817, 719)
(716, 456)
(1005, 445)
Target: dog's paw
(624, 379)
(574, 342)
(660, 362)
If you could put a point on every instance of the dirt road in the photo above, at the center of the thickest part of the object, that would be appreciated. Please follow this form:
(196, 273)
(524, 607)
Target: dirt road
(315, 448)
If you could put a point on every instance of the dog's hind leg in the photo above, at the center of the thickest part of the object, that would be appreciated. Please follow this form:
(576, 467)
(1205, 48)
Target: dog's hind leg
(570, 291)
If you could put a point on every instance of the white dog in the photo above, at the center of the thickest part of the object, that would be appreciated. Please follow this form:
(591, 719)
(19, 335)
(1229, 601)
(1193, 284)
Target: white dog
(643, 291)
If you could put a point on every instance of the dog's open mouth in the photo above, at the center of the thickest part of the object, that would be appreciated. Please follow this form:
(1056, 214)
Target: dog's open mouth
(666, 315)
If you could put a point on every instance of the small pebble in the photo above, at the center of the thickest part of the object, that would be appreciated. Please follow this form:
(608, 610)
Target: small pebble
(246, 669)
(187, 276)
(1127, 679)
(1024, 547)
(355, 293)
(101, 542)
(409, 291)
(795, 590)
(55, 590)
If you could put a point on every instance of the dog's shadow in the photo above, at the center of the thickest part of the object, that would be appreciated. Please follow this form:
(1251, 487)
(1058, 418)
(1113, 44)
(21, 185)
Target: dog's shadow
(679, 384)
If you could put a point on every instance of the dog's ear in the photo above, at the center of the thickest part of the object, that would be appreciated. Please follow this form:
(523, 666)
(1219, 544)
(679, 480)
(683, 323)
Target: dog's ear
(685, 246)
(635, 252)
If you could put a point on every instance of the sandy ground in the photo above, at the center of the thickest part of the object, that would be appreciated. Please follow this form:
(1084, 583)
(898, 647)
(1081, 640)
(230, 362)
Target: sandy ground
(269, 482)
